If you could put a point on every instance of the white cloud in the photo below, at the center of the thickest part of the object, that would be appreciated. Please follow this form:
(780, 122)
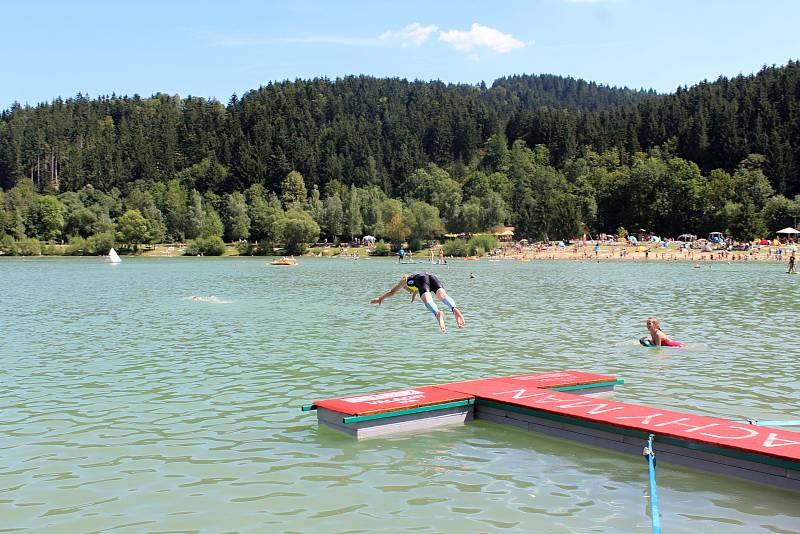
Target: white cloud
(481, 36)
(414, 34)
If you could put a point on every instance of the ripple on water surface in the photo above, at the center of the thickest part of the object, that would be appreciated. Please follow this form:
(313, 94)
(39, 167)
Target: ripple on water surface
(128, 405)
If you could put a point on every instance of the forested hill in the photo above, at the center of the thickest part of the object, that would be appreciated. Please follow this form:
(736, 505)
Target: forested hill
(515, 92)
(360, 130)
(556, 157)
(715, 125)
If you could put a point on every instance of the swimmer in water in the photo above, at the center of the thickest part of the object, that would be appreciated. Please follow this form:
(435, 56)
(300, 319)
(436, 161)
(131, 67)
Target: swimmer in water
(424, 284)
(210, 298)
(657, 336)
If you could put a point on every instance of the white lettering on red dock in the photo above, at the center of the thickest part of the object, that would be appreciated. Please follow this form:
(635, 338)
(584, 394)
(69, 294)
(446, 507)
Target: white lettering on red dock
(710, 430)
(392, 400)
(385, 396)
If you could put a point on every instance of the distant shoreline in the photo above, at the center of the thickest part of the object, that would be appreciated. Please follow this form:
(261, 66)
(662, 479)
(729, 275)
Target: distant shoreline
(606, 253)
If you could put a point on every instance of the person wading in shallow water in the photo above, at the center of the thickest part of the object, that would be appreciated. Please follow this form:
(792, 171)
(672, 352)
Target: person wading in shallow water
(424, 284)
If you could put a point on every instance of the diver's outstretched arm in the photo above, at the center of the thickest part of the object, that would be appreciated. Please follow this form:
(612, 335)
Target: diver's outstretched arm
(378, 300)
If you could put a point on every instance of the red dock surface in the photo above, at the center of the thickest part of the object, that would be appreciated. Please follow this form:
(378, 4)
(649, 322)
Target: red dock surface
(389, 401)
(536, 380)
(775, 442)
(760, 453)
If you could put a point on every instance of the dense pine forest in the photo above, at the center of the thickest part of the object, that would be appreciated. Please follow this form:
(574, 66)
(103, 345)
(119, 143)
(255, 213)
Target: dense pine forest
(297, 162)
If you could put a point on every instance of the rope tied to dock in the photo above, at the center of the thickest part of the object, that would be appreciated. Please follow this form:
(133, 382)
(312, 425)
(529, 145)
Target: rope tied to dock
(650, 454)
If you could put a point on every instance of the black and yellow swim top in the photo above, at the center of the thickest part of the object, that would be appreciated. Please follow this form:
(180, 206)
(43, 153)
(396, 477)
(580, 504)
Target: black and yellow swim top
(423, 282)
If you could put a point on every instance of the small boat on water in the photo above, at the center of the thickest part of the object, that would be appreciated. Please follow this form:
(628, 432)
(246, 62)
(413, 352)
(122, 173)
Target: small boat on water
(284, 261)
(472, 258)
(113, 257)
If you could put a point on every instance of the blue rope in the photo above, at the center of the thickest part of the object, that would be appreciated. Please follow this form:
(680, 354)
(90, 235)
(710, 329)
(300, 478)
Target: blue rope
(651, 464)
(773, 423)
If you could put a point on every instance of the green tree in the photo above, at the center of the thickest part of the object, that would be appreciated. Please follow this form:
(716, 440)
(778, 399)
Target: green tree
(144, 202)
(195, 214)
(18, 199)
(778, 213)
(471, 216)
(205, 246)
(212, 224)
(456, 247)
(5, 216)
(750, 183)
(434, 186)
(497, 157)
(257, 211)
(293, 189)
(564, 218)
(745, 223)
(236, 218)
(207, 174)
(352, 216)
(423, 220)
(493, 211)
(173, 204)
(132, 228)
(392, 221)
(371, 200)
(333, 216)
(396, 228)
(315, 206)
(481, 243)
(267, 221)
(45, 218)
(299, 229)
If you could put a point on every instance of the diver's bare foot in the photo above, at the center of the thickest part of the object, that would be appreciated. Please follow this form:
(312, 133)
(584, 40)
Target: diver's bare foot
(459, 317)
(440, 318)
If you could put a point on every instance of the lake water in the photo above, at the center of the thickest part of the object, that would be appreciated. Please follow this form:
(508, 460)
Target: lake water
(126, 406)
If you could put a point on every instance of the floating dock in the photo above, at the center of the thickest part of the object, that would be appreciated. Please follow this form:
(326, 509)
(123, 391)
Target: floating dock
(567, 404)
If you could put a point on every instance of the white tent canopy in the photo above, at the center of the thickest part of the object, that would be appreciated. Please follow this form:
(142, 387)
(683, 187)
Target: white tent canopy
(788, 230)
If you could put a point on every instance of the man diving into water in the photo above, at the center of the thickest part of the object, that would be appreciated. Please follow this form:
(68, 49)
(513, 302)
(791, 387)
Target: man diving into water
(423, 284)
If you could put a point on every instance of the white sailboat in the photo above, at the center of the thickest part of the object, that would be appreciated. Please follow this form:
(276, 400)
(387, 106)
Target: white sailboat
(113, 257)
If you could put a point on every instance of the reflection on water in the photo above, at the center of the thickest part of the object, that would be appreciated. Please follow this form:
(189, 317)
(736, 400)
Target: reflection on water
(126, 404)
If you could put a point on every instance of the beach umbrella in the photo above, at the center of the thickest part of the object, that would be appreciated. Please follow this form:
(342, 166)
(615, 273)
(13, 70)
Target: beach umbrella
(788, 230)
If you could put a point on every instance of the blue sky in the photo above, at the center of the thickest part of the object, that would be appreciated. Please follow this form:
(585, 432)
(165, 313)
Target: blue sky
(215, 49)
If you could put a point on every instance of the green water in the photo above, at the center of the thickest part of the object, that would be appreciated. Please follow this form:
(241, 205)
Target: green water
(127, 406)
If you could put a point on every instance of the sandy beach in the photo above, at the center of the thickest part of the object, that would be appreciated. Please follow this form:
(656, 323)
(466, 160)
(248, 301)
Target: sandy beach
(581, 253)
(641, 253)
